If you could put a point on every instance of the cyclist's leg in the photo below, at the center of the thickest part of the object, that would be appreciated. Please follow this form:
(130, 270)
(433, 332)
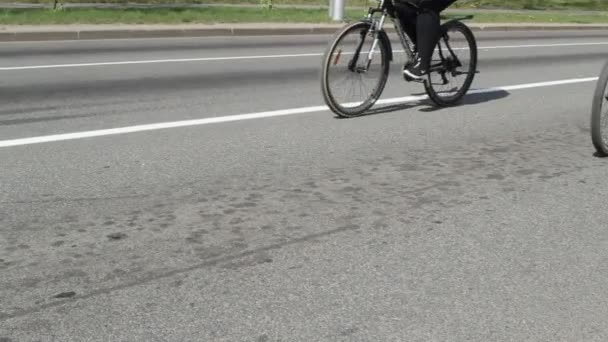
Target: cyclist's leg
(428, 26)
(407, 17)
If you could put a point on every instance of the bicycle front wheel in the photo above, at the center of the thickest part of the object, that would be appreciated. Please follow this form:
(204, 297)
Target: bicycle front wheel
(453, 66)
(351, 83)
(599, 114)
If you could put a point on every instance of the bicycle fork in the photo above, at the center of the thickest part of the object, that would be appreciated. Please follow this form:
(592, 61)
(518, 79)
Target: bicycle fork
(375, 29)
(376, 32)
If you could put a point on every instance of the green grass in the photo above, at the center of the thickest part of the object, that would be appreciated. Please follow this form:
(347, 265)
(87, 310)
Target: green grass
(535, 4)
(247, 15)
(505, 4)
(319, 3)
(164, 16)
(542, 17)
(233, 2)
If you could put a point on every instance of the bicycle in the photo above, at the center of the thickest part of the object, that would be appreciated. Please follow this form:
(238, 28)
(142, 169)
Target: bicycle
(446, 64)
(599, 114)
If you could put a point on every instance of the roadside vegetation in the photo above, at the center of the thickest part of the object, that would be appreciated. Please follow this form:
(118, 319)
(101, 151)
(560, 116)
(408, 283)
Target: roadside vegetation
(484, 11)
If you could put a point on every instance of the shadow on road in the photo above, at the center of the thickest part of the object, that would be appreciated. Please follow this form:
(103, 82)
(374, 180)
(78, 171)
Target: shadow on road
(471, 99)
(385, 109)
(393, 108)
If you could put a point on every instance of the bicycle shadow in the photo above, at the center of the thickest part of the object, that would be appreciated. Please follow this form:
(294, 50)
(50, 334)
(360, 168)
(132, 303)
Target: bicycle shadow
(472, 99)
(393, 107)
(469, 99)
(384, 109)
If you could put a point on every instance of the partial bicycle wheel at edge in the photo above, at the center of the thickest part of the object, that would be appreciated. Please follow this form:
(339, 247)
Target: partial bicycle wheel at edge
(349, 86)
(462, 43)
(599, 114)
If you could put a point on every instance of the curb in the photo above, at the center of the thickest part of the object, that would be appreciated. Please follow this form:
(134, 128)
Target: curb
(8, 35)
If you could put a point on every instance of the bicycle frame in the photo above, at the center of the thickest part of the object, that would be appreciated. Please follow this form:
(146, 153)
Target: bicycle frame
(366, 39)
(377, 25)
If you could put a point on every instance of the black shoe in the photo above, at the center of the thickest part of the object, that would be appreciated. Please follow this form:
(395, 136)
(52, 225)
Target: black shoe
(415, 71)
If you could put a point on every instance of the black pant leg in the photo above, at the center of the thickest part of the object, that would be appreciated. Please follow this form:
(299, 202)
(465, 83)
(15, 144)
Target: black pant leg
(427, 26)
(407, 17)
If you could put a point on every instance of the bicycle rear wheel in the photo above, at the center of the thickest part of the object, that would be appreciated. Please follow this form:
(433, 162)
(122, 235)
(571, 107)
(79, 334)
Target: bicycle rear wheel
(453, 65)
(599, 114)
(350, 86)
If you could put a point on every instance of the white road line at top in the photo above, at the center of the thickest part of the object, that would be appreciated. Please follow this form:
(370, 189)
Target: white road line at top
(528, 46)
(176, 60)
(259, 115)
(233, 58)
(542, 45)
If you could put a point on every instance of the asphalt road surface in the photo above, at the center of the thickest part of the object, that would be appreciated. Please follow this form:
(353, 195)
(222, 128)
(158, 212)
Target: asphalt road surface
(482, 222)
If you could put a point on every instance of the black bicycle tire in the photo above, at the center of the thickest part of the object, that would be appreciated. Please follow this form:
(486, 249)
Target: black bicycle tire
(428, 86)
(596, 112)
(327, 96)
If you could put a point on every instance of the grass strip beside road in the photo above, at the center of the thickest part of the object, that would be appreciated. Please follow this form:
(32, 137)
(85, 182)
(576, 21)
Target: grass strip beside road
(541, 17)
(595, 5)
(251, 15)
(210, 15)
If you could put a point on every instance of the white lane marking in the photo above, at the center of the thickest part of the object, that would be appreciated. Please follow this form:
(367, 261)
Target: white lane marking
(543, 45)
(527, 46)
(259, 115)
(233, 58)
(177, 60)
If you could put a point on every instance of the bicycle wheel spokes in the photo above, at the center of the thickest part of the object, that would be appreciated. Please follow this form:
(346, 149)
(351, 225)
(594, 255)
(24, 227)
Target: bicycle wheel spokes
(455, 67)
(351, 80)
